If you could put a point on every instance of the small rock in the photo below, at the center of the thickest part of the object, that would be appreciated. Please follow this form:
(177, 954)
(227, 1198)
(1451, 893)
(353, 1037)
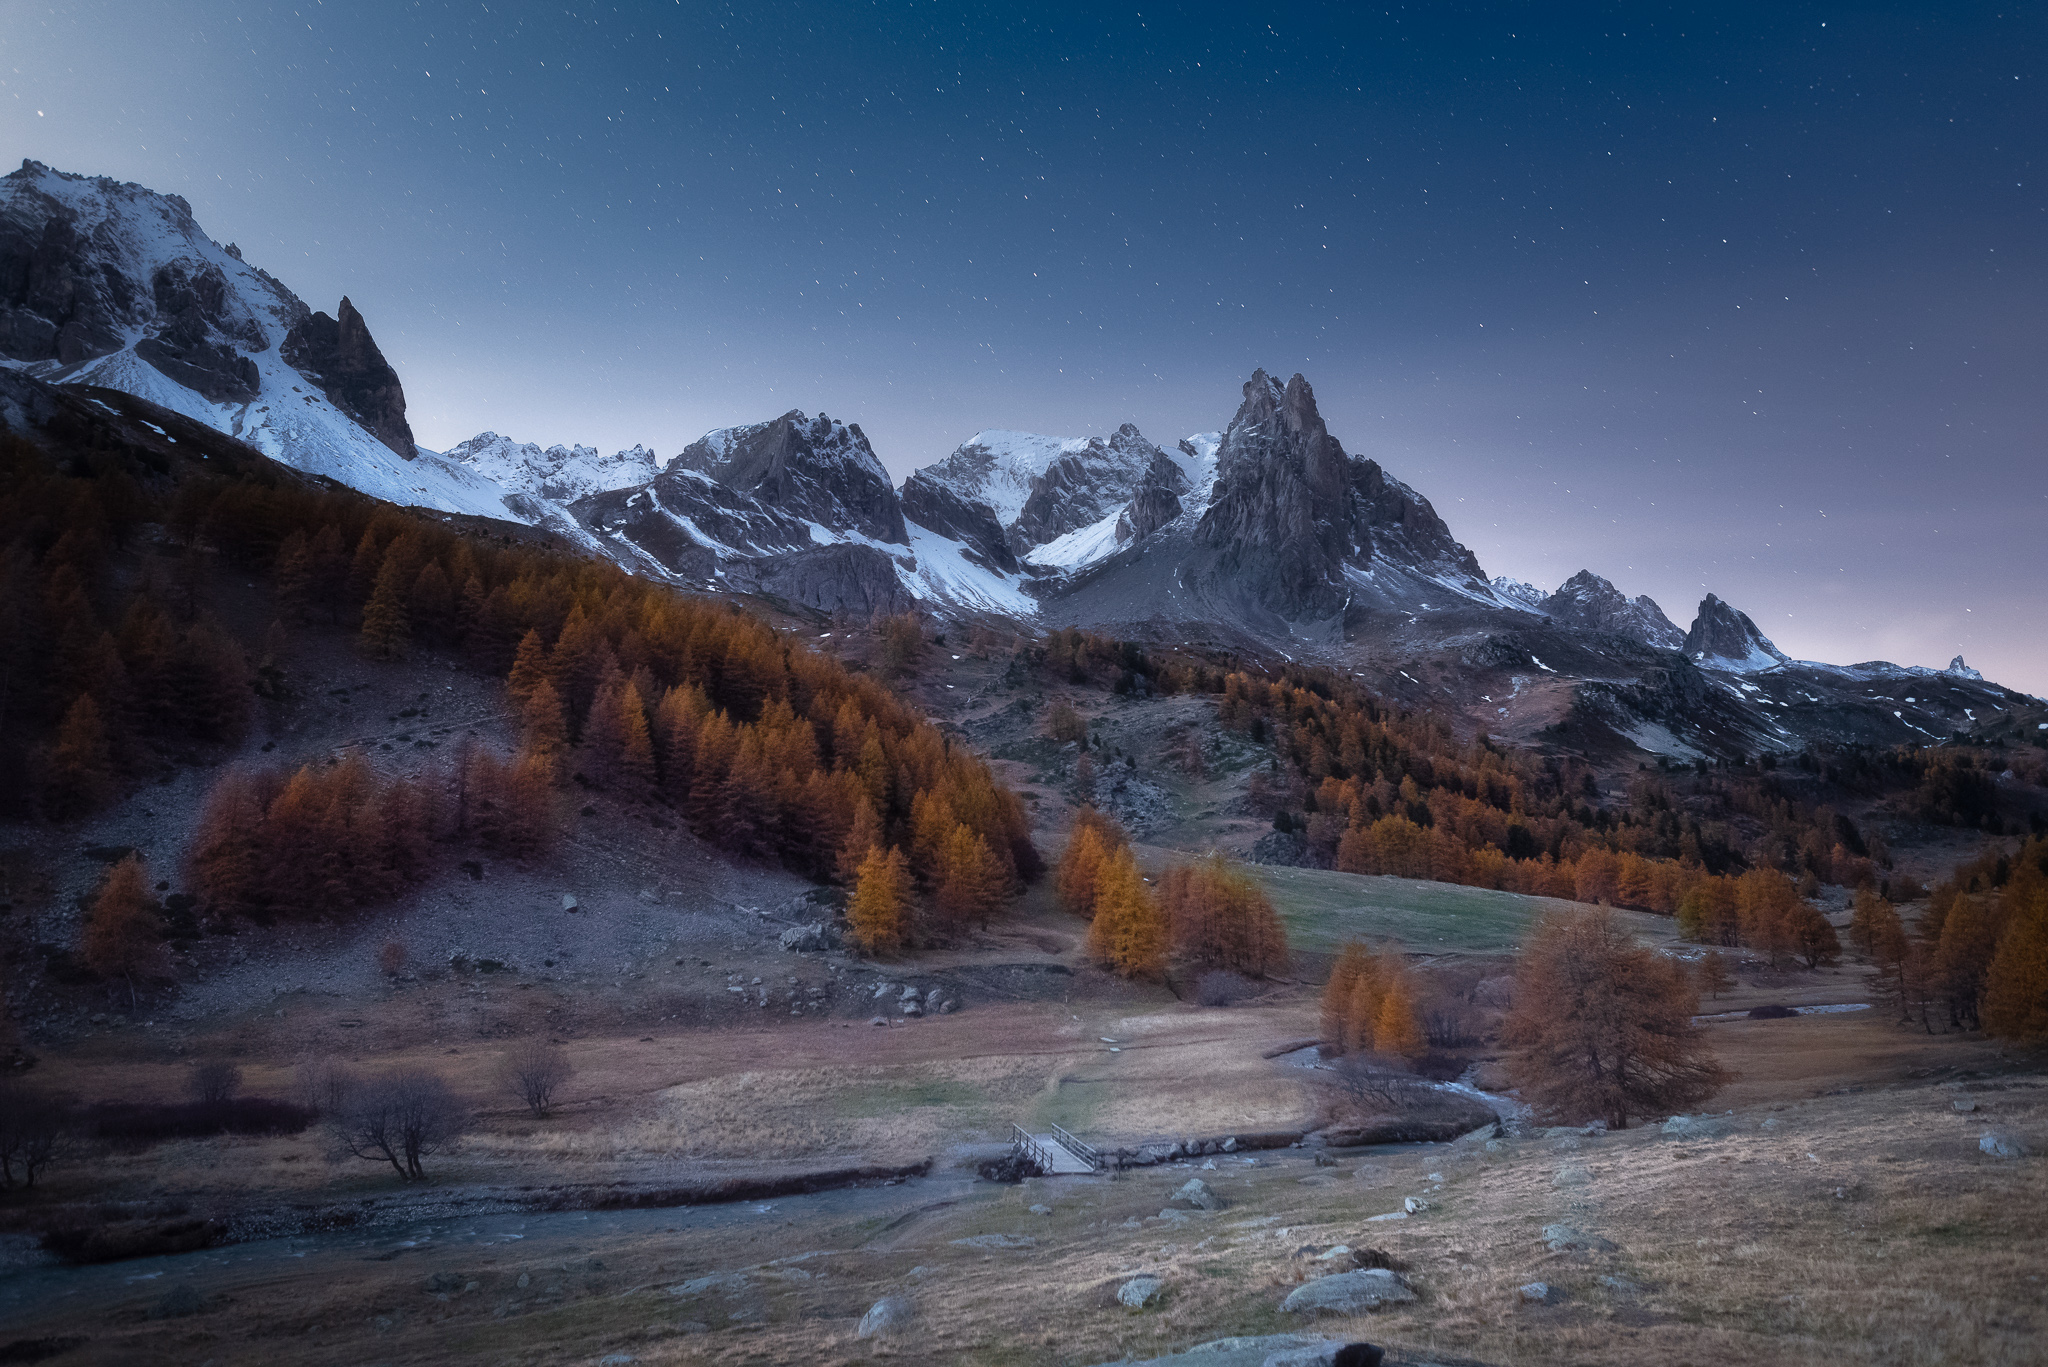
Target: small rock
(948, 1007)
(569, 902)
(885, 1316)
(912, 1008)
(1230, 1145)
(1621, 1286)
(1324, 1160)
(1565, 1239)
(1196, 1192)
(526, 1280)
(1390, 1215)
(2001, 1145)
(1041, 1210)
(1534, 1293)
(1571, 1175)
(1698, 1126)
(1140, 1292)
(1414, 1205)
(877, 1021)
(1348, 1293)
(810, 939)
(1209, 1166)
(1965, 1105)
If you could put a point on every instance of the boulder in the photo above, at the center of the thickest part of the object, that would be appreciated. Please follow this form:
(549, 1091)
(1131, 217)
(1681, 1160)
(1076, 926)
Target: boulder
(810, 939)
(1414, 1205)
(1565, 1239)
(1196, 1192)
(1348, 1293)
(887, 1315)
(569, 902)
(912, 1008)
(1965, 1105)
(2001, 1145)
(1534, 1293)
(1571, 1175)
(1698, 1126)
(1140, 1292)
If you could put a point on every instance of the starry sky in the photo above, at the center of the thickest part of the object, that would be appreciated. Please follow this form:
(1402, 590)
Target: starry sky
(1740, 298)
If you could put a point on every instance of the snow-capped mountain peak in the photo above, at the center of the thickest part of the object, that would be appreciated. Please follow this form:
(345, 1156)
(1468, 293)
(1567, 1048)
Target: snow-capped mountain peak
(560, 473)
(1723, 638)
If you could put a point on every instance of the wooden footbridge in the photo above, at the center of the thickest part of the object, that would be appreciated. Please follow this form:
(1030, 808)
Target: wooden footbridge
(1056, 1154)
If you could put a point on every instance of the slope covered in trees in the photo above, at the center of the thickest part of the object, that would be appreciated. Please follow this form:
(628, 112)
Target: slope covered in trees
(114, 526)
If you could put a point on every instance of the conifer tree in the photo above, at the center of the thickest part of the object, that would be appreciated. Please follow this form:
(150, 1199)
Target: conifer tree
(2015, 1000)
(635, 764)
(863, 837)
(545, 732)
(970, 881)
(1353, 961)
(81, 771)
(123, 937)
(1129, 932)
(387, 631)
(1395, 1027)
(529, 667)
(293, 578)
(878, 913)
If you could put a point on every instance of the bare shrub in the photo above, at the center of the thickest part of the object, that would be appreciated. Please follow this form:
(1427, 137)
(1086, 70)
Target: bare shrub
(35, 1132)
(391, 958)
(215, 1082)
(1064, 724)
(1367, 1085)
(534, 1070)
(321, 1085)
(400, 1119)
(1219, 987)
(1447, 1023)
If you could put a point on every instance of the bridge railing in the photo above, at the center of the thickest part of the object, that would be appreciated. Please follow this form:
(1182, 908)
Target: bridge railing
(1034, 1152)
(1087, 1153)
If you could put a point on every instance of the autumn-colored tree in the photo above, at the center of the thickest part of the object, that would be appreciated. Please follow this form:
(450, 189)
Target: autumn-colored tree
(2015, 1000)
(387, 628)
(80, 773)
(544, 730)
(1707, 913)
(1713, 973)
(1396, 1026)
(1129, 932)
(1353, 961)
(1091, 839)
(1964, 954)
(634, 768)
(1810, 935)
(1603, 1026)
(529, 668)
(863, 838)
(902, 644)
(1221, 918)
(970, 884)
(123, 935)
(1869, 908)
(878, 913)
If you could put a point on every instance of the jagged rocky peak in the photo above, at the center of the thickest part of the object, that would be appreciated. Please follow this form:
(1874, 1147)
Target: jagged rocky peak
(340, 357)
(90, 266)
(1290, 510)
(1590, 603)
(1723, 638)
(814, 468)
(1960, 670)
(560, 473)
(1519, 592)
(1278, 518)
(1088, 480)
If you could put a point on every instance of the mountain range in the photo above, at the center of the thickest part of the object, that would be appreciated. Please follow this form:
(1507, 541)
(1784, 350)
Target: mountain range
(1265, 538)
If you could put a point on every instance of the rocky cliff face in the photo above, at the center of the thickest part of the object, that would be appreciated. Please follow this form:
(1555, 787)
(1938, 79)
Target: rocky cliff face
(1156, 502)
(342, 360)
(813, 468)
(1588, 602)
(1722, 638)
(1087, 482)
(560, 474)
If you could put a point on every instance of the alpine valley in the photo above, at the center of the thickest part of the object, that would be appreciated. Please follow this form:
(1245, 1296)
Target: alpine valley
(1266, 539)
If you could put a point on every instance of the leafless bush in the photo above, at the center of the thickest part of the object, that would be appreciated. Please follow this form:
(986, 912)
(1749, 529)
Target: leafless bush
(35, 1131)
(1369, 1084)
(1447, 1024)
(215, 1081)
(400, 1119)
(391, 958)
(534, 1070)
(1222, 988)
(322, 1085)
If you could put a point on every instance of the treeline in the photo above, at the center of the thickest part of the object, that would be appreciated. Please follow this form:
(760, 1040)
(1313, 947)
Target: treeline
(769, 749)
(1208, 915)
(100, 674)
(327, 838)
(1978, 956)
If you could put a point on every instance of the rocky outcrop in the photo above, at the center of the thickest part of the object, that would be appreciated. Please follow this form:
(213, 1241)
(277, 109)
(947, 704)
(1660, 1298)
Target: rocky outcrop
(1393, 523)
(1723, 638)
(811, 468)
(939, 507)
(58, 300)
(847, 580)
(342, 360)
(1587, 602)
(1085, 484)
(1280, 519)
(1156, 502)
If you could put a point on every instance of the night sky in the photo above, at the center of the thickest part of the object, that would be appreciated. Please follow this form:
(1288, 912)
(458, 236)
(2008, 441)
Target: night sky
(1741, 299)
